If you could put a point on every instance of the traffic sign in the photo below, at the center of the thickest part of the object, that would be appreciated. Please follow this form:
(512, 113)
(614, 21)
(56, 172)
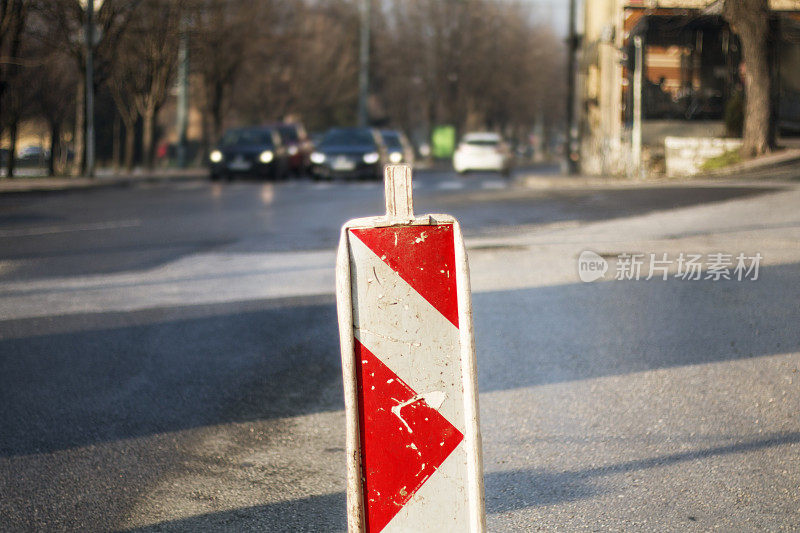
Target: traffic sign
(405, 323)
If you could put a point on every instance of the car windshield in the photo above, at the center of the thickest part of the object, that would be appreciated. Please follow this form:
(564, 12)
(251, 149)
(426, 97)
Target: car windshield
(392, 140)
(482, 142)
(247, 137)
(289, 134)
(348, 138)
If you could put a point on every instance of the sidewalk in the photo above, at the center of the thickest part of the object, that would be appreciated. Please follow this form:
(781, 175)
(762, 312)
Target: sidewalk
(782, 166)
(104, 178)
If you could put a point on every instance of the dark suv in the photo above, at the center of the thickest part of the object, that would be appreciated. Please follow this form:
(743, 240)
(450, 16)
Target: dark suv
(349, 153)
(255, 151)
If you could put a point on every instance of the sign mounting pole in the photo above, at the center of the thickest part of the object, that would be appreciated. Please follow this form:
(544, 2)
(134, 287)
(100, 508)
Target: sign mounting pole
(408, 360)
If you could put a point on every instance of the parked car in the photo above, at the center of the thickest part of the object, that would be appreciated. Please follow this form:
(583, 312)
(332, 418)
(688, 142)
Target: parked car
(298, 146)
(349, 153)
(254, 151)
(33, 156)
(400, 150)
(482, 151)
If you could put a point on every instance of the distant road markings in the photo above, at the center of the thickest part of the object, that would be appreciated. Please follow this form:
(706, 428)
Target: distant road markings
(190, 186)
(6, 267)
(50, 230)
(450, 185)
(495, 184)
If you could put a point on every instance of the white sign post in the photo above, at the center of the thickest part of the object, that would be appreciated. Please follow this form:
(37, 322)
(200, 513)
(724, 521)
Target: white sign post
(408, 360)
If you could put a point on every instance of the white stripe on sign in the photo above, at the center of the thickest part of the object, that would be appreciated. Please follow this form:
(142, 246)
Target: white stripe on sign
(418, 515)
(409, 343)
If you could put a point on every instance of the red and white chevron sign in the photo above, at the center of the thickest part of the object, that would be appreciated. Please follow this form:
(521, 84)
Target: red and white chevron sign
(414, 456)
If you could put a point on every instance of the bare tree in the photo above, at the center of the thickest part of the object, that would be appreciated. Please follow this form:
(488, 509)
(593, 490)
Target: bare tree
(143, 72)
(473, 64)
(749, 19)
(222, 32)
(470, 63)
(121, 86)
(61, 26)
(52, 86)
(318, 79)
(13, 14)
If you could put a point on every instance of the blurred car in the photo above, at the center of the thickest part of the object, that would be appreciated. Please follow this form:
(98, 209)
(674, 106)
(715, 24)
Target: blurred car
(349, 153)
(254, 151)
(298, 146)
(482, 151)
(32, 156)
(398, 147)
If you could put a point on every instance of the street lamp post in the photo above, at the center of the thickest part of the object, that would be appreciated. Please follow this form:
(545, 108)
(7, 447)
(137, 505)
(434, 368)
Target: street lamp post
(571, 141)
(363, 73)
(636, 132)
(89, 34)
(182, 118)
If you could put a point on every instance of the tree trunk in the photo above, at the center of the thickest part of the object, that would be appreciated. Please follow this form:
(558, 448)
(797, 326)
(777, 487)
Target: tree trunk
(130, 145)
(116, 142)
(205, 140)
(749, 19)
(79, 143)
(216, 110)
(148, 127)
(55, 147)
(12, 148)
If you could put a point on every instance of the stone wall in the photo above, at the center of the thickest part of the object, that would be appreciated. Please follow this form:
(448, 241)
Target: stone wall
(686, 155)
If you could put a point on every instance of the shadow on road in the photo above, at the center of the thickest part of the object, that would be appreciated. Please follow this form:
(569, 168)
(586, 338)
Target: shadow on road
(76, 380)
(520, 489)
(581, 331)
(505, 492)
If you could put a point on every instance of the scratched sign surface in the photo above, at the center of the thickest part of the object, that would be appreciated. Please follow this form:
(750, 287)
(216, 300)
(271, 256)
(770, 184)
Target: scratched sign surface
(409, 373)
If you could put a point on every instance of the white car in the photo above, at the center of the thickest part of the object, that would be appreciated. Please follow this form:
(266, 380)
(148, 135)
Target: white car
(482, 151)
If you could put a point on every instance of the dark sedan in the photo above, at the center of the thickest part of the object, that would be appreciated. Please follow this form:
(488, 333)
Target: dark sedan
(256, 151)
(349, 153)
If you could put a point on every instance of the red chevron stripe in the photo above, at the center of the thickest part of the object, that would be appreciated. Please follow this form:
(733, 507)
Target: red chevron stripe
(424, 256)
(403, 440)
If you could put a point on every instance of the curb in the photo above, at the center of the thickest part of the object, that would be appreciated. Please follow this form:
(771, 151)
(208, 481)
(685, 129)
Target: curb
(25, 185)
(751, 170)
(777, 159)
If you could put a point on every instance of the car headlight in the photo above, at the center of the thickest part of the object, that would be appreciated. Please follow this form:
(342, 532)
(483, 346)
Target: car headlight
(215, 156)
(266, 156)
(317, 158)
(293, 150)
(396, 157)
(371, 157)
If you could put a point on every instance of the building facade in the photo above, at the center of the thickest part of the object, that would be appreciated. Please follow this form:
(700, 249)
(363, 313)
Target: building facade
(690, 84)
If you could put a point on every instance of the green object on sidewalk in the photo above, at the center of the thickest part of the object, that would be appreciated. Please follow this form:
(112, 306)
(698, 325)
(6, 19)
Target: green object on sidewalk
(443, 141)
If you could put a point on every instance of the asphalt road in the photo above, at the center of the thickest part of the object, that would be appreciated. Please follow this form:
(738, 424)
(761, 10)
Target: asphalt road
(169, 356)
